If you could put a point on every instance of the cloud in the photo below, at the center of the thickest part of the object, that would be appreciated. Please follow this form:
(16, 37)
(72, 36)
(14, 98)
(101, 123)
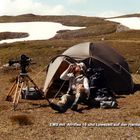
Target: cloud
(109, 14)
(17, 7)
(76, 1)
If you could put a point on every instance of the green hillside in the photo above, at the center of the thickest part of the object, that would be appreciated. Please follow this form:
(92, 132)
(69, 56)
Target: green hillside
(97, 29)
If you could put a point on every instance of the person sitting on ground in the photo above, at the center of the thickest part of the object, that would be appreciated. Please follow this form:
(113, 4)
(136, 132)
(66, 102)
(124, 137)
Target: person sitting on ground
(78, 88)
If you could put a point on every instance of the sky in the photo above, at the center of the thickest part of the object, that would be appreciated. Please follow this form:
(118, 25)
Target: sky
(101, 8)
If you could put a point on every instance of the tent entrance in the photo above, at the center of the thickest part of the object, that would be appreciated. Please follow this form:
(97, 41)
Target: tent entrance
(57, 82)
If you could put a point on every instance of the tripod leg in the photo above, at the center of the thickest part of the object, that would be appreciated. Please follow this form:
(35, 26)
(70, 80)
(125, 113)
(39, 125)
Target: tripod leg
(36, 87)
(19, 92)
(18, 95)
(16, 90)
(11, 92)
(32, 82)
(41, 92)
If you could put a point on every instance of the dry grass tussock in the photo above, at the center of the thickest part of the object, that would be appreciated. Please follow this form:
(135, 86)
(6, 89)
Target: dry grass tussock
(21, 120)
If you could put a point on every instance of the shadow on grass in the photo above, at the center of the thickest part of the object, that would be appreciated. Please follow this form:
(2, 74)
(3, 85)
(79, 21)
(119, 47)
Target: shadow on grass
(80, 110)
(93, 107)
(40, 105)
(34, 106)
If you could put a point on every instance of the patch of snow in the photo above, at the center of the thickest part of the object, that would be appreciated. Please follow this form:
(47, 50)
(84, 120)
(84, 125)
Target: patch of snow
(130, 22)
(36, 30)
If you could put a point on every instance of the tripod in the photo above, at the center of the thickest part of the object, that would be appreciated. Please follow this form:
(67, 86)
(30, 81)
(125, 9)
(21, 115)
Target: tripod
(22, 80)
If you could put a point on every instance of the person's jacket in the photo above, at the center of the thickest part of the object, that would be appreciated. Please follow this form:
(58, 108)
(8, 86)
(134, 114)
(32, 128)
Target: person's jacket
(73, 80)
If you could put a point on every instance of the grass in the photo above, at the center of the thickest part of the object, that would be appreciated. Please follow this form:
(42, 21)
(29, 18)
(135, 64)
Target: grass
(43, 51)
(91, 31)
(132, 35)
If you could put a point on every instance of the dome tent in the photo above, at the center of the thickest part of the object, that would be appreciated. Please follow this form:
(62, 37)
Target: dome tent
(94, 55)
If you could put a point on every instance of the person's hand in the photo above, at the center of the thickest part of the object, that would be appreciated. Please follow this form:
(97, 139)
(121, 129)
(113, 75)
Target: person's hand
(70, 74)
(72, 67)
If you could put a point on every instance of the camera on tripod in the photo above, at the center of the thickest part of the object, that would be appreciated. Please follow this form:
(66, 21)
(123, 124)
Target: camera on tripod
(24, 62)
(23, 86)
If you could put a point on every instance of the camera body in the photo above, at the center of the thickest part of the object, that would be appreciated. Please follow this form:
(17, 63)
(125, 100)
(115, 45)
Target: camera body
(24, 62)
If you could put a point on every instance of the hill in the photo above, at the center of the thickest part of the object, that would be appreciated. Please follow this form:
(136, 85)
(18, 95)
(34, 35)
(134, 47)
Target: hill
(97, 29)
(34, 119)
(66, 20)
(129, 15)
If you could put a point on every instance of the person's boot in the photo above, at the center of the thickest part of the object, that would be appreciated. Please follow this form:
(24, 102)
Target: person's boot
(74, 107)
(57, 107)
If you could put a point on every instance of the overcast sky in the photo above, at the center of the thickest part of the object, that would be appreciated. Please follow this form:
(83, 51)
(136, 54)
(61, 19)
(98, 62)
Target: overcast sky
(104, 8)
